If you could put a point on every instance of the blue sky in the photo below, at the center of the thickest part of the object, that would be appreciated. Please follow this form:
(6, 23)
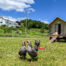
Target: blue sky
(43, 10)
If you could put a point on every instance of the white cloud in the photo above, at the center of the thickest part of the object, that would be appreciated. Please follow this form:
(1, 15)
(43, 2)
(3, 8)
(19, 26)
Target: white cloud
(31, 9)
(45, 21)
(22, 18)
(18, 5)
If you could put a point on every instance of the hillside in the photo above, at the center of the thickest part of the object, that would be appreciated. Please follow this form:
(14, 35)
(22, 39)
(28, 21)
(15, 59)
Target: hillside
(34, 24)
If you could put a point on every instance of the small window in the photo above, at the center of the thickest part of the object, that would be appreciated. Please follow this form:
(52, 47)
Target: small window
(0, 22)
(9, 23)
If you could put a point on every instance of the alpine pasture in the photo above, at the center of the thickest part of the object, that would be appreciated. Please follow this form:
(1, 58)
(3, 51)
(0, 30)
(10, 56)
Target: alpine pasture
(54, 54)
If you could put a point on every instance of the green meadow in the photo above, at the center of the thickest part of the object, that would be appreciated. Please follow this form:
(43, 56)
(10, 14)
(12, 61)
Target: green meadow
(54, 54)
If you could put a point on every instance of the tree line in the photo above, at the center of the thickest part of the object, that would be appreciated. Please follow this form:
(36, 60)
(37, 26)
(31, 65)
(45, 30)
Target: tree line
(34, 24)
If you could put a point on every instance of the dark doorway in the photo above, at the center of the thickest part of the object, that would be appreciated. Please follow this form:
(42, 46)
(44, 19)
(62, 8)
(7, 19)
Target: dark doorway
(59, 28)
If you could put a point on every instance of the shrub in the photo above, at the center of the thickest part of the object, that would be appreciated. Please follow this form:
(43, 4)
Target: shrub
(1, 31)
(42, 30)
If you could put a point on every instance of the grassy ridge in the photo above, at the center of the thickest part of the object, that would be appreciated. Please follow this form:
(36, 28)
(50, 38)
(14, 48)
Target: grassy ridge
(53, 55)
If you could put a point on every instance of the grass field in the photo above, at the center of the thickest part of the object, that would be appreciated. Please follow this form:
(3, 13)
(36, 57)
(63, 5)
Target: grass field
(53, 55)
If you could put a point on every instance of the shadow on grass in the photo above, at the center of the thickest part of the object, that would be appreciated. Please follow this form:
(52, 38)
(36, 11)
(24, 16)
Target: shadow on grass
(29, 60)
(34, 59)
(22, 58)
(61, 41)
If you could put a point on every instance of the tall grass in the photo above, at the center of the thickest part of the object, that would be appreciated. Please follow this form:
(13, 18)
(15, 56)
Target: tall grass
(53, 55)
